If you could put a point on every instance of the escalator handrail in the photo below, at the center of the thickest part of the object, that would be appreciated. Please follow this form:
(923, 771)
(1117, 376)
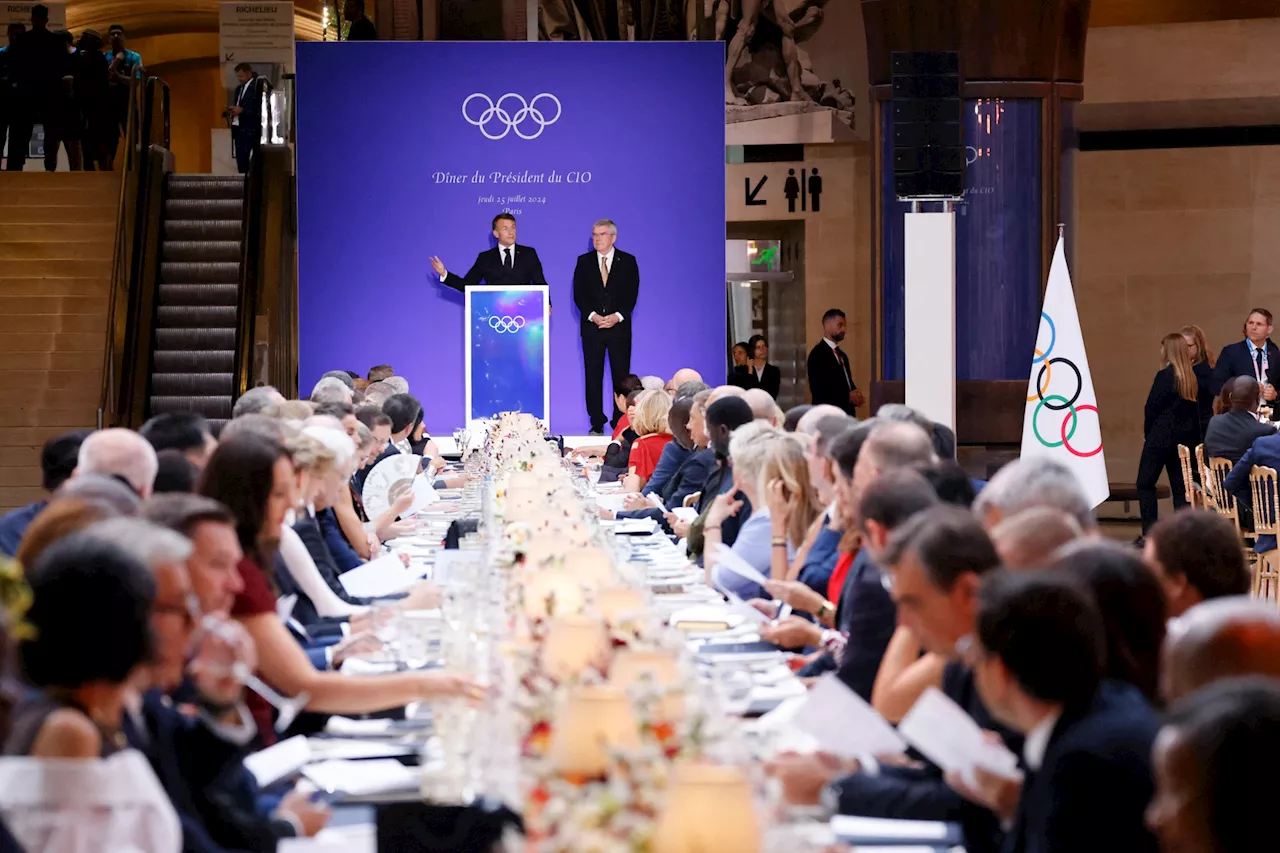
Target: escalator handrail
(247, 307)
(126, 263)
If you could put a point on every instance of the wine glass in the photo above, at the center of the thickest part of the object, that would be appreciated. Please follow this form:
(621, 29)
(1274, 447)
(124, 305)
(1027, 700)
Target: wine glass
(287, 708)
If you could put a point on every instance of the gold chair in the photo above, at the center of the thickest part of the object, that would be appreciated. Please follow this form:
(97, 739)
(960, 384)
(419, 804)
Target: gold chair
(1195, 497)
(1265, 488)
(1204, 475)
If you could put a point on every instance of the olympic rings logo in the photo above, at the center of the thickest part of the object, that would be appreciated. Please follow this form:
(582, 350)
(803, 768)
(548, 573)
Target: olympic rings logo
(506, 325)
(1057, 402)
(509, 117)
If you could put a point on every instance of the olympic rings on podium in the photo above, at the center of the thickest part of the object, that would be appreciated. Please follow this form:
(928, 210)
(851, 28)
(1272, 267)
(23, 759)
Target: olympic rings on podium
(506, 325)
(511, 121)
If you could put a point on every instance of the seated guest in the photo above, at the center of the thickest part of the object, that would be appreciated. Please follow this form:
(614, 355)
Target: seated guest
(674, 455)
(83, 592)
(818, 560)
(1218, 639)
(1214, 748)
(331, 389)
(936, 561)
(296, 411)
(724, 416)
(865, 615)
(255, 478)
(615, 458)
(262, 400)
(377, 393)
(1264, 453)
(191, 753)
(379, 424)
(174, 472)
(58, 461)
(1033, 481)
(622, 392)
(685, 381)
(1231, 434)
(693, 473)
(951, 483)
(653, 433)
(120, 453)
(1255, 356)
(349, 507)
(186, 432)
(1196, 555)
(1038, 660)
(61, 518)
(379, 372)
(750, 448)
(345, 414)
(1132, 607)
(1032, 539)
(763, 406)
(741, 374)
(791, 421)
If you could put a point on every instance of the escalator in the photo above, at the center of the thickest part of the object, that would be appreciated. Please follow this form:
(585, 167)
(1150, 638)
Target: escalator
(203, 300)
(198, 295)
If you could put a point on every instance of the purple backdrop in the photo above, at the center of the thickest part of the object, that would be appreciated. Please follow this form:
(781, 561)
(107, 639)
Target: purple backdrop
(381, 131)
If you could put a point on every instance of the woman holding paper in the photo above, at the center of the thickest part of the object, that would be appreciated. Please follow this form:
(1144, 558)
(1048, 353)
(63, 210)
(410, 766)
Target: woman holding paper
(254, 477)
(761, 454)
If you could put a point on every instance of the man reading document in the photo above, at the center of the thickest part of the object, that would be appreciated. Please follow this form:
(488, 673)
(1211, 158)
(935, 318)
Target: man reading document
(505, 264)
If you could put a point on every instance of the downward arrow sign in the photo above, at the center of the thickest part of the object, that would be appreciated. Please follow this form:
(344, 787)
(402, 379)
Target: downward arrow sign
(752, 201)
(228, 57)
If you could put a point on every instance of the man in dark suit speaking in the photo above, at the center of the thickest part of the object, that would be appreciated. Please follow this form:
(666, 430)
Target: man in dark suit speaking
(505, 264)
(606, 284)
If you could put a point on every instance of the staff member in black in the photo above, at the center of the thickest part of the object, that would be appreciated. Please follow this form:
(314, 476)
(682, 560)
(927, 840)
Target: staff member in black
(606, 284)
(246, 115)
(830, 379)
(1170, 417)
(505, 264)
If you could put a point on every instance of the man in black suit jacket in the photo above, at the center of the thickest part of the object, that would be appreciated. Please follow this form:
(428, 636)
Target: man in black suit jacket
(246, 115)
(1255, 356)
(1232, 433)
(830, 377)
(361, 29)
(504, 264)
(1039, 665)
(606, 285)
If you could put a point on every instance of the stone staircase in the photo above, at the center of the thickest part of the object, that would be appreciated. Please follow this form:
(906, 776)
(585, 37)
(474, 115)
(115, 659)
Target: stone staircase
(57, 236)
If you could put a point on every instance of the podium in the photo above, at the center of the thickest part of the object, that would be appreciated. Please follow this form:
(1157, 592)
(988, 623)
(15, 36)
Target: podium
(508, 351)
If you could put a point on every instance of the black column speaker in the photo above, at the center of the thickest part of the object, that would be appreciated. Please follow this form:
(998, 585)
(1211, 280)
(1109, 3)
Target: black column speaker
(928, 143)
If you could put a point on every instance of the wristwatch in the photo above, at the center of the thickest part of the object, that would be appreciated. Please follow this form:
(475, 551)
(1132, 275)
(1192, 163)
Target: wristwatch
(827, 612)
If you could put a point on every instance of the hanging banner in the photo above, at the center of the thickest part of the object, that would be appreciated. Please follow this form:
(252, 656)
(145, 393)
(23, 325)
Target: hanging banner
(20, 13)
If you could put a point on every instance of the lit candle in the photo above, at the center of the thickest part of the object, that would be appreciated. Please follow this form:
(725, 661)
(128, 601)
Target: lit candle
(634, 666)
(592, 566)
(591, 720)
(708, 808)
(618, 604)
(551, 593)
(572, 644)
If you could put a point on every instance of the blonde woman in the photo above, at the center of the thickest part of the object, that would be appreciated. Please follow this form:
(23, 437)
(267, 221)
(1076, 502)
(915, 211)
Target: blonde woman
(1203, 362)
(761, 454)
(1171, 417)
(653, 432)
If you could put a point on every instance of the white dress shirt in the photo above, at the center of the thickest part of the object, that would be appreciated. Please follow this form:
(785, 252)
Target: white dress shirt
(60, 805)
(607, 261)
(1037, 742)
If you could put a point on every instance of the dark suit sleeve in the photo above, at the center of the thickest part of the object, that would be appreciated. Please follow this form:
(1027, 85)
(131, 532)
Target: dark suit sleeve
(1158, 399)
(581, 285)
(818, 389)
(870, 625)
(344, 555)
(536, 276)
(1222, 372)
(474, 276)
(1091, 792)
(1237, 482)
(628, 305)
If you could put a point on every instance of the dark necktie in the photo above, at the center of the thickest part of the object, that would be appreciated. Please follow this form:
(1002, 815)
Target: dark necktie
(844, 367)
(506, 258)
(1262, 375)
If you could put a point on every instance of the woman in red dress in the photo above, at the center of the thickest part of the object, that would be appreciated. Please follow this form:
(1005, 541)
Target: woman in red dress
(653, 408)
(254, 477)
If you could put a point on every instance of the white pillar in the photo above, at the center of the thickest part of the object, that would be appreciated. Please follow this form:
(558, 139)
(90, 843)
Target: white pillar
(930, 308)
